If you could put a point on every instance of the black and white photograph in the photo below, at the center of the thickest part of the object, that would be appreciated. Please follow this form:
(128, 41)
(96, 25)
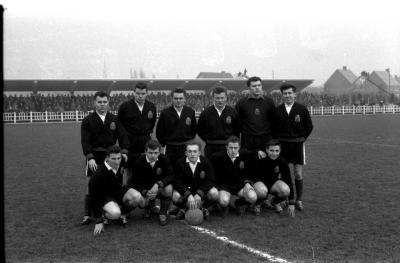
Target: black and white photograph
(201, 131)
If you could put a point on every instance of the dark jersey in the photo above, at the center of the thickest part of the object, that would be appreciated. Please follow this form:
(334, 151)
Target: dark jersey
(200, 182)
(230, 174)
(269, 171)
(135, 122)
(256, 115)
(215, 129)
(146, 176)
(172, 129)
(105, 186)
(295, 126)
(97, 136)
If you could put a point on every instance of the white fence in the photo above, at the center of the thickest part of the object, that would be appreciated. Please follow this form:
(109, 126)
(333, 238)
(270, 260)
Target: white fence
(76, 116)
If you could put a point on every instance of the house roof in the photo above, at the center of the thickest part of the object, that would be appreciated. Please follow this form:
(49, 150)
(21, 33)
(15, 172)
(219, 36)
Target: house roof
(384, 77)
(348, 75)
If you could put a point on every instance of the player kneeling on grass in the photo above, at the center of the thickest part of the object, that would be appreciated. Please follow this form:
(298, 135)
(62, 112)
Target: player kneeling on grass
(107, 192)
(273, 183)
(231, 174)
(194, 180)
(153, 177)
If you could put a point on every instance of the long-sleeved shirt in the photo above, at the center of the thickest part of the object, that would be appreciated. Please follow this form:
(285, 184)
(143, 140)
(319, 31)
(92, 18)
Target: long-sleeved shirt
(136, 122)
(189, 183)
(295, 126)
(231, 174)
(98, 136)
(105, 186)
(269, 171)
(215, 129)
(256, 115)
(172, 129)
(146, 176)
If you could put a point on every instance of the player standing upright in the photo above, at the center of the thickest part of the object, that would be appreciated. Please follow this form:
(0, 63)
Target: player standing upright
(138, 116)
(256, 113)
(100, 130)
(176, 126)
(293, 127)
(217, 123)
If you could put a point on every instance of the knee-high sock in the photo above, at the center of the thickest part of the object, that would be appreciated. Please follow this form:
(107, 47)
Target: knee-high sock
(299, 189)
(165, 203)
(87, 205)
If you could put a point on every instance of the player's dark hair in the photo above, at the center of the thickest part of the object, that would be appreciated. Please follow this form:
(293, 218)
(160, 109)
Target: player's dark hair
(286, 86)
(178, 90)
(233, 139)
(252, 79)
(113, 149)
(141, 85)
(219, 89)
(152, 145)
(100, 94)
(273, 142)
(192, 142)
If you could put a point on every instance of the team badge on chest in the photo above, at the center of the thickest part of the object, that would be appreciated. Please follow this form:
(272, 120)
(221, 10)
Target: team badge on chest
(159, 171)
(202, 174)
(188, 121)
(276, 170)
(257, 111)
(150, 115)
(297, 118)
(228, 120)
(113, 126)
(241, 165)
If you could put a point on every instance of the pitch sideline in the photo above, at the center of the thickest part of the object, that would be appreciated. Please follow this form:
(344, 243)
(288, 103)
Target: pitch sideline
(240, 245)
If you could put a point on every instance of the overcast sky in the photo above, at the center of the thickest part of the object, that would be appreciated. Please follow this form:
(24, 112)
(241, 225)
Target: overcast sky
(280, 39)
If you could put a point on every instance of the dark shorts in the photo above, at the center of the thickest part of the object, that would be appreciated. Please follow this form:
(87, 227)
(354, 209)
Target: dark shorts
(254, 142)
(136, 148)
(174, 152)
(213, 148)
(293, 152)
(119, 196)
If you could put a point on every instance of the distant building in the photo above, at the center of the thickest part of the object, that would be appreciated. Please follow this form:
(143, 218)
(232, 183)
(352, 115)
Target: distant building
(383, 81)
(214, 75)
(341, 81)
(344, 81)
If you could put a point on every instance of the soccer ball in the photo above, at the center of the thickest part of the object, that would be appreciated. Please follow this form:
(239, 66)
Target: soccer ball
(194, 217)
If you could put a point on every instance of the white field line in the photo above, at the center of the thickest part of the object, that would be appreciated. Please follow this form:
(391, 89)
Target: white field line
(357, 143)
(239, 245)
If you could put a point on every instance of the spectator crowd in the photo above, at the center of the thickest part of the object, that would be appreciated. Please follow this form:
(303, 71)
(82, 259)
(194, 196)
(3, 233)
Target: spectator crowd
(198, 101)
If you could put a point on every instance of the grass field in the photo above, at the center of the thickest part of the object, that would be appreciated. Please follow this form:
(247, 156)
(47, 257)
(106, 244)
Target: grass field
(352, 212)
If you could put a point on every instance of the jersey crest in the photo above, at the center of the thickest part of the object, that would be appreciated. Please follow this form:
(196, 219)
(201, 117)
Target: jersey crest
(228, 120)
(150, 115)
(297, 118)
(159, 171)
(113, 127)
(188, 121)
(257, 111)
(202, 174)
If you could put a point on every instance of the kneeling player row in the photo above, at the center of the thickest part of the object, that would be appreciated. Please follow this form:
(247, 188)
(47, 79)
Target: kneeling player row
(232, 177)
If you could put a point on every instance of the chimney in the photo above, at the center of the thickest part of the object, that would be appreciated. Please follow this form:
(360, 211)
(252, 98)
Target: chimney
(344, 67)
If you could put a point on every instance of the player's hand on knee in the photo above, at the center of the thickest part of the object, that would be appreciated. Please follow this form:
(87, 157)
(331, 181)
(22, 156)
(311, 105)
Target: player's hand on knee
(291, 211)
(98, 229)
(92, 165)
